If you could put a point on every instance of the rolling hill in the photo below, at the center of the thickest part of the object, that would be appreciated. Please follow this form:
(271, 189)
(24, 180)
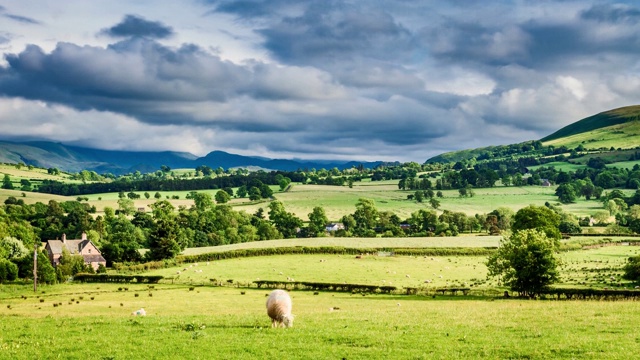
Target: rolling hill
(617, 128)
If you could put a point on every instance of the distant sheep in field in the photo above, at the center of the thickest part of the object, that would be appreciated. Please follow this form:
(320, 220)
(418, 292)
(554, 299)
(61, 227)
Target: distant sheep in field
(279, 309)
(140, 312)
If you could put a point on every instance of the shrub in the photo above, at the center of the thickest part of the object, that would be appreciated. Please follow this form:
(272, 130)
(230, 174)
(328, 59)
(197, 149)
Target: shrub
(8, 271)
(632, 269)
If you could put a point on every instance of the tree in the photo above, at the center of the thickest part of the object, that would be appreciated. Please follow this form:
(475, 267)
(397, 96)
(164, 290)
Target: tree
(366, 217)
(285, 222)
(7, 183)
(222, 197)
(123, 241)
(526, 262)
(12, 248)
(126, 206)
(537, 217)
(70, 265)
(166, 240)
(632, 269)
(566, 193)
(8, 271)
(254, 194)
(157, 195)
(434, 203)
(317, 221)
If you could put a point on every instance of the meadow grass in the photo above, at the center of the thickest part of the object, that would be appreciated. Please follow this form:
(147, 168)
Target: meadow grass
(411, 242)
(581, 268)
(223, 323)
(192, 321)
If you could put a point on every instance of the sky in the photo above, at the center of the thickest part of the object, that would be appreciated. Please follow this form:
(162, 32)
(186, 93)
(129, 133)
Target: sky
(390, 80)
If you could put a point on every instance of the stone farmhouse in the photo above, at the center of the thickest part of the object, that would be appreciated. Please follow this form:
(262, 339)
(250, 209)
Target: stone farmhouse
(83, 247)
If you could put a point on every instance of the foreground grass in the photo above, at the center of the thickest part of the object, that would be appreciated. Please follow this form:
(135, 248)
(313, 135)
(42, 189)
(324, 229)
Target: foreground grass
(222, 323)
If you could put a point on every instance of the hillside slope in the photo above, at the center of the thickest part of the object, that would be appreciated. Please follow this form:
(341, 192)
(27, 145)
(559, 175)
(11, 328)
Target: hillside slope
(617, 128)
(605, 119)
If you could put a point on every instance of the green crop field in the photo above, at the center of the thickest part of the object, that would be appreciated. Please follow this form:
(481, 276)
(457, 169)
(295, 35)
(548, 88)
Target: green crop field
(189, 320)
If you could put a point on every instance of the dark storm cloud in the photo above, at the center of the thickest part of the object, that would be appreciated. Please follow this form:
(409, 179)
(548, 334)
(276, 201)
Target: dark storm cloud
(126, 77)
(135, 26)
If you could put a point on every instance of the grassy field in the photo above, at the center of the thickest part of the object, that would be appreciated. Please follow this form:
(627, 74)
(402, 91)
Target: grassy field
(559, 165)
(413, 242)
(580, 268)
(201, 322)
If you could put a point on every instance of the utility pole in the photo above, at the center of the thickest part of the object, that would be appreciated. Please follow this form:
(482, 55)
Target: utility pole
(35, 267)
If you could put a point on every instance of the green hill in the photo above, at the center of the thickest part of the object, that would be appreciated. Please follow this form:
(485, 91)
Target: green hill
(617, 128)
(625, 115)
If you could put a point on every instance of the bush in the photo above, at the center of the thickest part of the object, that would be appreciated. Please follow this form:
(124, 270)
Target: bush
(632, 269)
(8, 271)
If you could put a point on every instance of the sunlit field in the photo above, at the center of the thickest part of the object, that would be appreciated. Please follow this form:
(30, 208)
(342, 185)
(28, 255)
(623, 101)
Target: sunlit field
(193, 319)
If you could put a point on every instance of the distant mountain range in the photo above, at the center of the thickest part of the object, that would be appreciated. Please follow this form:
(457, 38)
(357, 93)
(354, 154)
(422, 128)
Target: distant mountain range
(74, 159)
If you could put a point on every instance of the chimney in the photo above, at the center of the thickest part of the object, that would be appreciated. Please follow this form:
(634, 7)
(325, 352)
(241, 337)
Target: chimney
(64, 238)
(84, 235)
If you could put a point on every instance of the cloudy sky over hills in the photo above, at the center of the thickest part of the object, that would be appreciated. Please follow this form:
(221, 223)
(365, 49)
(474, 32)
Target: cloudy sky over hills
(334, 79)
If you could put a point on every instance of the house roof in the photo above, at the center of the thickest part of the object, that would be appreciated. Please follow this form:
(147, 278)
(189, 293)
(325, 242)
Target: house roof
(74, 246)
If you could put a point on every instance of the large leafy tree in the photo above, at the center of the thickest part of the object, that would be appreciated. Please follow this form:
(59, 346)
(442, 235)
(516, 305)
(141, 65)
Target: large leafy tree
(526, 262)
(566, 193)
(537, 217)
(123, 241)
(317, 221)
(285, 222)
(366, 217)
(167, 239)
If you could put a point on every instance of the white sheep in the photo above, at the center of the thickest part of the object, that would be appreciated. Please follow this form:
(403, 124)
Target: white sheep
(279, 309)
(140, 312)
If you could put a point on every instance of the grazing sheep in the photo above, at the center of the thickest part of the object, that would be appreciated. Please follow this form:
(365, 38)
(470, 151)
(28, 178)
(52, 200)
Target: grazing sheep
(140, 312)
(279, 309)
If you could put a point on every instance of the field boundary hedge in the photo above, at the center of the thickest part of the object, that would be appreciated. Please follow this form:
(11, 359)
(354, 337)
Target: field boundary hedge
(117, 278)
(592, 294)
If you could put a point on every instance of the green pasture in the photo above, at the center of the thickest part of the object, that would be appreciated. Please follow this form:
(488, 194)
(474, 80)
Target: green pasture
(359, 243)
(31, 197)
(624, 164)
(399, 271)
(340, 200)
(198, 321)
(425, 272)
